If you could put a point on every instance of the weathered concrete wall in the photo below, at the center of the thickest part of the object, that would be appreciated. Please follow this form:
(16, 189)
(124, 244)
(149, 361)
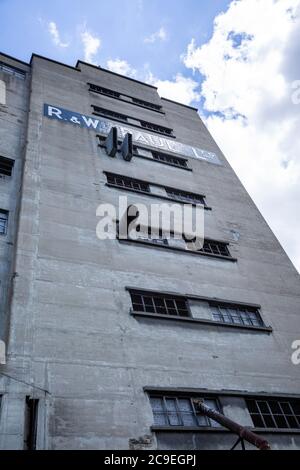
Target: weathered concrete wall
(13, 130)
(71, 332)
(13, 121)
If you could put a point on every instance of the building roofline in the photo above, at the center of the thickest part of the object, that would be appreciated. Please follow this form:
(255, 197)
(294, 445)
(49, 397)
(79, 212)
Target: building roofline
(179, 104)
(115, 73)
(14, 58)
(96, 67)
(53, 61)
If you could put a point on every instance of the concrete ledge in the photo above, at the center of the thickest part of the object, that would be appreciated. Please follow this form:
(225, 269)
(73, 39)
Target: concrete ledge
(262, 329)
(158, 196)
(178, 250)
(221, 429)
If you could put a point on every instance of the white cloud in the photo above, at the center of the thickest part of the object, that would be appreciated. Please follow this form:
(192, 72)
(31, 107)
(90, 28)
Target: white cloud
(160, 35)
(55, 35)
(91, 46)
(122, 67)
(181, 89)
(249, 66)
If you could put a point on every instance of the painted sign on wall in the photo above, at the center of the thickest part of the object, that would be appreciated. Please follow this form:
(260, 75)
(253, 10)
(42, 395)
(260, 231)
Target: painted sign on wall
(103, 126)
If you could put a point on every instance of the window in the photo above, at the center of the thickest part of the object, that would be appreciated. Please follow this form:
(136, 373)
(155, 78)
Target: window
(6, 166)
(170, 159)
(215, 248)
(31, 416)
(180, 411)
(154, 127)
(180, 196)
(185, 196)
(3, 222)
(123, 97)
(272, 413)
(133, 121)
(109, 113)
(104, 91)
(146, 104)
(237, 315)
(159, 304)
(127, 183)
(12, 70)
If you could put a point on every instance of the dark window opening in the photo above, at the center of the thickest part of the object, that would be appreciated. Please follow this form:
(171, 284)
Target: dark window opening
(170, 159)
(127, 183)
(172, 410)
(12, 70)
(109, 113)
(237, 315)
(6, 166)
(123, 97)
(271, 413)
(104, 91)
(31, 417)
(185, 196)
(3, 222)
(159, 304)
(146, 104)
(137, 122)
(215, 248)
(156, 128)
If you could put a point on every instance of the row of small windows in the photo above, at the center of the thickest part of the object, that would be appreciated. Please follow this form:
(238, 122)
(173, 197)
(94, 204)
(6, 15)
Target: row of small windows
(133, 121)
(126, 182)
(123, 97)
(165, 158)
(170, 410)
(220, 248)
(160, 157)
(176, 306)
(16, 72)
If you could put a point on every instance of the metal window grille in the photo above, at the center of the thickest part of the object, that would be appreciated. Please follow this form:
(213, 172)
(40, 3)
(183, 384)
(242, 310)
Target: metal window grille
(159, 304)
(185, 196)
(128, 183)
(3, 222)
(180, 411)
(146, 104)
(215, 248)
(271, 413)
(115, 94)
(12, 70)
(236, 315)
(6, 166)
(110, 114)
(156, 128)
(104, 91)
(165, 158)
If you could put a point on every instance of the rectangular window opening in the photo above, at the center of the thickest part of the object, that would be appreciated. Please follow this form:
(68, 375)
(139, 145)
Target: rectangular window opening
(31, 418)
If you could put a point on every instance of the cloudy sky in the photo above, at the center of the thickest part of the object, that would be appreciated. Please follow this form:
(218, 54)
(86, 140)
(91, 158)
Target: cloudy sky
(237, 61)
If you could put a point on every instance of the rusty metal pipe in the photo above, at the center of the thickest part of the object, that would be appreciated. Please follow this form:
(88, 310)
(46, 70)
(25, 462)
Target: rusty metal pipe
(241, 431)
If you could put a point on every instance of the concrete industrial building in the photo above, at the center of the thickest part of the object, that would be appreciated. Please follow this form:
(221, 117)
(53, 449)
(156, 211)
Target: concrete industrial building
(108, 341)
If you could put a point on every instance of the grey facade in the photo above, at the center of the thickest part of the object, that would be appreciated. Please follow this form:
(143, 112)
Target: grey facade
(75, 346)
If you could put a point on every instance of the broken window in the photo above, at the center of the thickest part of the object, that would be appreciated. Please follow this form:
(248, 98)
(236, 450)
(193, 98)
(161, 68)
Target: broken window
(274, 413)
(159, 304)
(180, 411)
